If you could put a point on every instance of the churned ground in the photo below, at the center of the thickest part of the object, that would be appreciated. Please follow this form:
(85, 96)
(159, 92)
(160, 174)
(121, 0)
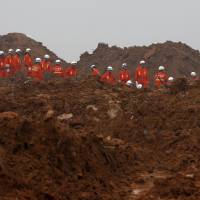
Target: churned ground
(70, 140)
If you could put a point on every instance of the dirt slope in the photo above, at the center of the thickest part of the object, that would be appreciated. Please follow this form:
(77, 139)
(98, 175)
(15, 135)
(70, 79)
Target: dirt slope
(99, 143)
(178, 58)
(19, 40)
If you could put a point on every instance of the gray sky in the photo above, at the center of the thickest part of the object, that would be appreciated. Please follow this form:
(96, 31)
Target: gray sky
(70, 27)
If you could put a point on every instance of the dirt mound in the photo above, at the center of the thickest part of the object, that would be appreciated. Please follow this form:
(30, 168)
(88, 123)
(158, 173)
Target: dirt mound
(178, 58)
(19, 40)
(66, 140)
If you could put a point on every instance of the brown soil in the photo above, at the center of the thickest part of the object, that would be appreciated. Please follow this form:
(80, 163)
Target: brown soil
(178, 58)
(19, 40)
(70, 140)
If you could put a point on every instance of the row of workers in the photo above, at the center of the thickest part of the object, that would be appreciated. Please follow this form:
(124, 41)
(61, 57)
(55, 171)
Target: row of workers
(12, 63)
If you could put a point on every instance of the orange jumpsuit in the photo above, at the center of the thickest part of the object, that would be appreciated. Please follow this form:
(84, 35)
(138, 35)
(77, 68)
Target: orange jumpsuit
(108, 77)
(142, 76)
(71, 72)
(124, 75)
(95, 72)
(28, 62)
(46, 66)
(58, 70)
(16, 63)
(161, 79)
(2, 64)
(36, 72)
(9, 60)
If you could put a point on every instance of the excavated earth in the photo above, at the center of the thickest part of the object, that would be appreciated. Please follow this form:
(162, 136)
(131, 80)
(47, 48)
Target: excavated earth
(70, 140)
(179, 59)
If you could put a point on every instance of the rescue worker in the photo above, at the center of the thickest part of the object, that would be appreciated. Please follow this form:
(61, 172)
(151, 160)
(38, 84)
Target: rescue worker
(95, 71)
(57, 69)
(108, 76)
(124, 74)
(161, 77)
(28, 62)
(46, 63)
(71, 71)
(194, 76)
(17, 61)
(36, 70)
(2, 64)
(142, 74)
(9, 57)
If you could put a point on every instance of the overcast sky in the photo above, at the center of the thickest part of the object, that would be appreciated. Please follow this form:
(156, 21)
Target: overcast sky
(70, 27)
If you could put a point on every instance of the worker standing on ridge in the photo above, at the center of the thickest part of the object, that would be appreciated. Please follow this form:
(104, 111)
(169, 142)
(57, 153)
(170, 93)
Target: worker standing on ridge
(17, 61)
(46, 63)
(9, 58)
(2, 64)
(161, 77)
(36, 70)
(71, 71)
(28, 62)
(124, 74)
(142, 74)
(57, 69)
(108, 76)
(94, 70)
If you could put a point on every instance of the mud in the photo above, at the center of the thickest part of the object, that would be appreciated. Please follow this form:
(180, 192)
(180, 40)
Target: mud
(65, 139)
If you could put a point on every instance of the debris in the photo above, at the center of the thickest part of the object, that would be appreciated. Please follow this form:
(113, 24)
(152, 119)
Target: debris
(8, 115)
(65, 116)
(93, 107)
(49, 115)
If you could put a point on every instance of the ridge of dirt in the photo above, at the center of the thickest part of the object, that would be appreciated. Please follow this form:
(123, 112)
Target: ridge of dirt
(22, 41)
(178, 58)
(66, 139)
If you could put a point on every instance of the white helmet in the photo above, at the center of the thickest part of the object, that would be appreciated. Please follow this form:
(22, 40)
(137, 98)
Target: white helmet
(161, 68)
(28, 50)
(38, 60)
(18, 50)
(193, 74)
(170, 79)
(92, 66)
(58, 61)
(139, 86)
(10, 50)
(124, 65)
(1, 53)
(129, 83)
(46, 56)
(142, 62)
(73, 62)
(109, 68)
